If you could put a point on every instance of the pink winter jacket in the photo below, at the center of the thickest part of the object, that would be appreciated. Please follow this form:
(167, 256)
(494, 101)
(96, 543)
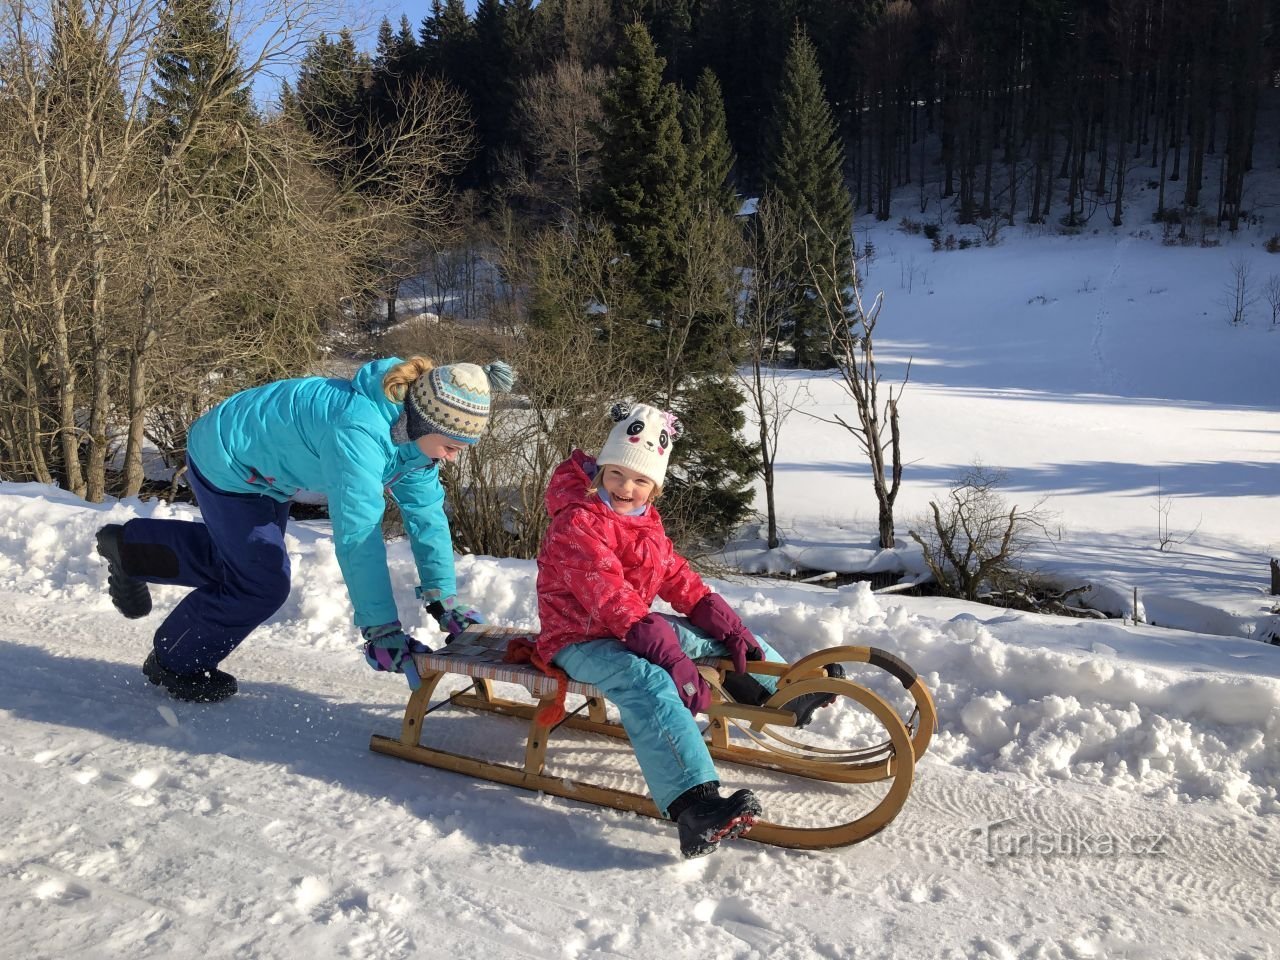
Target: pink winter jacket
(598, 571)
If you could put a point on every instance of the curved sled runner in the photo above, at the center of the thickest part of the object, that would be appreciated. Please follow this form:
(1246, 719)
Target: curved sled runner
(765, 738)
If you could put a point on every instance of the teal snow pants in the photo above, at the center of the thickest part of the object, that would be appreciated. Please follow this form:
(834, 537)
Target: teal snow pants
(668, 743)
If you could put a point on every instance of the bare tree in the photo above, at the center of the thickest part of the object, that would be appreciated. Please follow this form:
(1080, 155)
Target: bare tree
(1239, 296)
(1166, 539)
(973, 540)
(771, 249)
(1272, 294)
(559, 113)
(204, 254)
(851, 330)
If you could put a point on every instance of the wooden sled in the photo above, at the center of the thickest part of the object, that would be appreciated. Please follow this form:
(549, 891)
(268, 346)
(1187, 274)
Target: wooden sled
(765, 738)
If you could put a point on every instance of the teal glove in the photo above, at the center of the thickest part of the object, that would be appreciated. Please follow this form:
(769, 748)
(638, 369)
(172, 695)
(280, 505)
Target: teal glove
(388, 647)
(452, 616)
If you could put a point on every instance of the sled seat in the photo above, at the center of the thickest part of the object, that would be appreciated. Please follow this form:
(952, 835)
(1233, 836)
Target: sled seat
(479, 653)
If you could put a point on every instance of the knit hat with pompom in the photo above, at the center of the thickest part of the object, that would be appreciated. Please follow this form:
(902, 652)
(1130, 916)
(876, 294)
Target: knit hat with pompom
(453, 400)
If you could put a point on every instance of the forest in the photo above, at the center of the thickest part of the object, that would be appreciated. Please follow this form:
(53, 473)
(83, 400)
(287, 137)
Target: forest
(560, 183)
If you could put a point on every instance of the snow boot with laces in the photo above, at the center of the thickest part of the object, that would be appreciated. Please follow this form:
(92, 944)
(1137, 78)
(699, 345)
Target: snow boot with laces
(704, 818)
(130, 596)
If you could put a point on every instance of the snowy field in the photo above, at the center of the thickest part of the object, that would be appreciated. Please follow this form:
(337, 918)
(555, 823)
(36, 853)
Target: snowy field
(1095, 790)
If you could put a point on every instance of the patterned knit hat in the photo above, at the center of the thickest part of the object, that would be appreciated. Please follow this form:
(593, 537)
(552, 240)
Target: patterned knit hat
(453, 400)
(641, 440)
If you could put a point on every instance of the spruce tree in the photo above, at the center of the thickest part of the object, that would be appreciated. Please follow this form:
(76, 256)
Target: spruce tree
(806, 176)
(429, 40)
(456, 44)
(710, 238)
(407, 43)
(331, 96)
(670, 221)
(386, 51)
(710, 154)
(519, 30)
(642, 166)
(198, 93)
(708, 494)
(78, 52)
(503, 59)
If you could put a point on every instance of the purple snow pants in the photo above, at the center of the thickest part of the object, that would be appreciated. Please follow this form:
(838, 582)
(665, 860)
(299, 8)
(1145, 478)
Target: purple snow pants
(236, 561)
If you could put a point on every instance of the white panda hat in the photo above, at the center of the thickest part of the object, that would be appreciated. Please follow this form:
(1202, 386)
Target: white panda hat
(641, 440)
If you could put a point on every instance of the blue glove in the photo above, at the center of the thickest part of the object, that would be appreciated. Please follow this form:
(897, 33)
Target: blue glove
(452, 616)
(387, 647)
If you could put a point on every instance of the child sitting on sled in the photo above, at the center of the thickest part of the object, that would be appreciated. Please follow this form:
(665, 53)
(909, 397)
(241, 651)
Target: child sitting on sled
(603, 561)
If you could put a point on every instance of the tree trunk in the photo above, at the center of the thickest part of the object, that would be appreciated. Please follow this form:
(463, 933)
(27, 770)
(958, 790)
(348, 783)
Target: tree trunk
(95, 487)
(63, 367)
(133, 475)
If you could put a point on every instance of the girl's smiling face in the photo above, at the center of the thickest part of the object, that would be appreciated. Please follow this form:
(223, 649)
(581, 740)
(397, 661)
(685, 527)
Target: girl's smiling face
(628, 490)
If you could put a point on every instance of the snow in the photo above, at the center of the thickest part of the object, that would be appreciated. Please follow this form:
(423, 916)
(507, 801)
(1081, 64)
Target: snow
(1095, 789)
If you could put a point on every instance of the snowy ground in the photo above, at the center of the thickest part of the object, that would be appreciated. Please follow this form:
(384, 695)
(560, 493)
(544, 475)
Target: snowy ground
(1096, 789)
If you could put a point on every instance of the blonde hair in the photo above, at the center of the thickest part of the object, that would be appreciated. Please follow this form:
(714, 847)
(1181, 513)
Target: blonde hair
(598, 481)
(398, 380)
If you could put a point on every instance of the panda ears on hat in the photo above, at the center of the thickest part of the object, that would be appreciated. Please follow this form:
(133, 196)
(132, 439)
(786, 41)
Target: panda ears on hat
(620, 411)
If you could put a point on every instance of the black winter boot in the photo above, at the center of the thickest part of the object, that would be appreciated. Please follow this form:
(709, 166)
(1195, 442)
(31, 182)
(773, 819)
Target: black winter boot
(806, 705)
(131, 597)
(704, 818)
(207, 686)
(744, 688)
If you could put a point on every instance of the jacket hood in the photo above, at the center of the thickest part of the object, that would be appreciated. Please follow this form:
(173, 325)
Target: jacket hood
(569, 482)
(368, 383)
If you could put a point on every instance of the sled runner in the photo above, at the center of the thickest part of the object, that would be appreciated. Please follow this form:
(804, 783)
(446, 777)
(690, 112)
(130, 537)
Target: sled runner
(749, 736)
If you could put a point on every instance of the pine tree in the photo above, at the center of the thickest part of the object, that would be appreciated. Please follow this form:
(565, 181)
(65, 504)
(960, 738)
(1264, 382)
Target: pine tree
(385, 48)
(710, 154)
(395, 67)
(78, 52)
(407, 43)
(333, 80)
(198, 67)
(580, 31)
(199, 95)
(642, 166)
(519, 32)
(429, 40)
(806, 176)
(707, 493)
(712, 203)
(669, 219)
(495, 75)
(456, 43)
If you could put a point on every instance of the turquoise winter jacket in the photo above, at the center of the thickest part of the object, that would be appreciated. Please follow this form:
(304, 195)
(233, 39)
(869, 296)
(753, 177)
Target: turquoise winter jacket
(333, 436)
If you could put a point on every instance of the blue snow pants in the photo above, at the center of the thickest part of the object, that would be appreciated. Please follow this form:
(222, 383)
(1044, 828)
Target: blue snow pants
(668, 743)
(236, 561)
